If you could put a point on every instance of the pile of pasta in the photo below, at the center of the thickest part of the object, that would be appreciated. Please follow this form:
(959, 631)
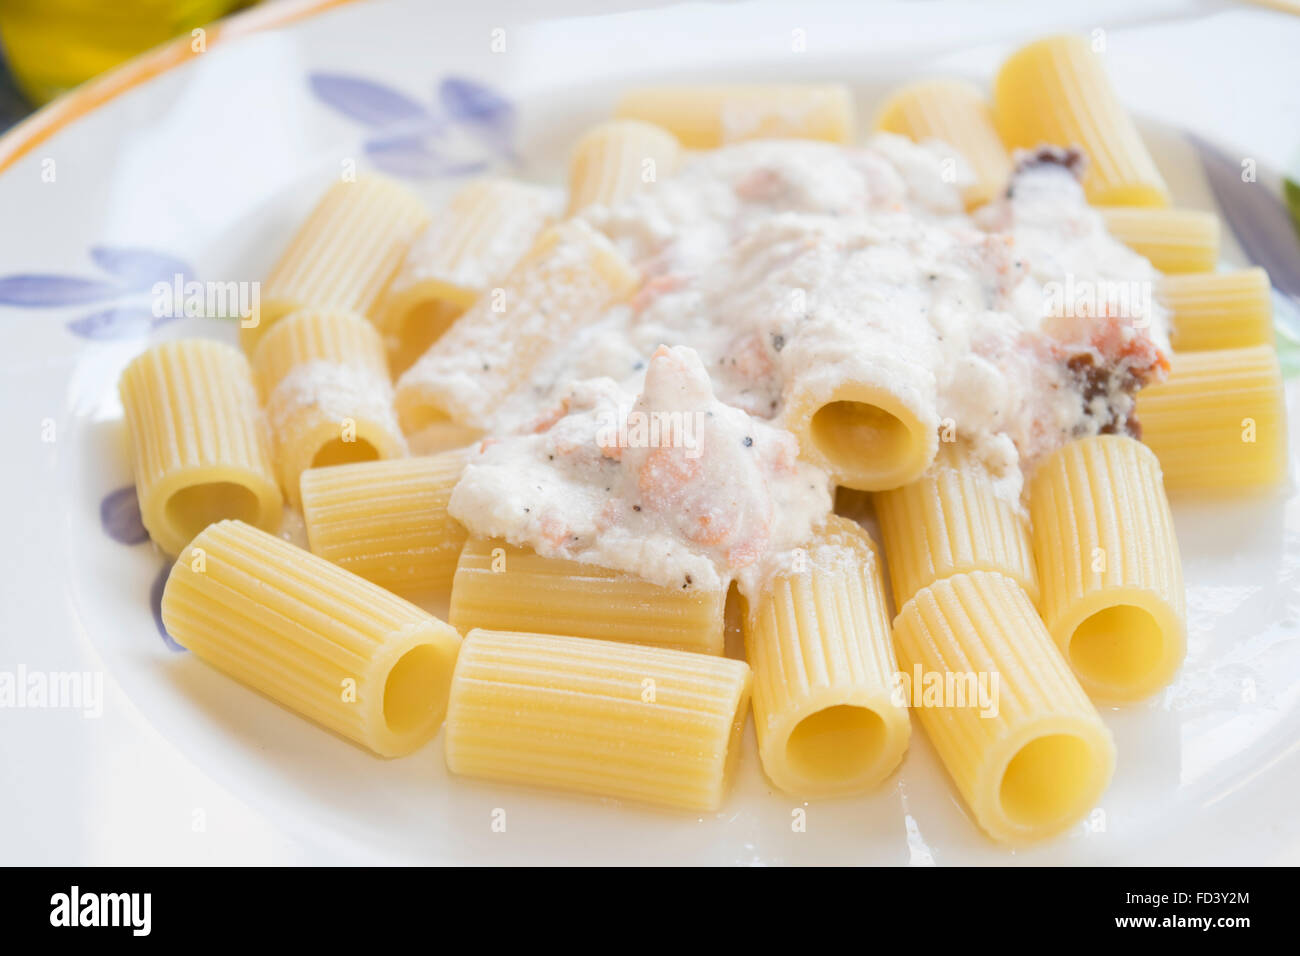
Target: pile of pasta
(568, 675)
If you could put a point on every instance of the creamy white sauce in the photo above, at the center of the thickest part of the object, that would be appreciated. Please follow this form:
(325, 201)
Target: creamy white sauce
(670, 484)
(335, 391)
(775, 262)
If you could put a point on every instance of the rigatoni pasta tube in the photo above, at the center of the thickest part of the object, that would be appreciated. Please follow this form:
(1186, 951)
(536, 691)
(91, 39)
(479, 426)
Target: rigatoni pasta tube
(601, 717)
(1174, 240)
(411, 327)
(1056, 92)
(952, 519)
(570, 274)
(470, 244)
(618, 158)
(324, 378)
(957, 113)
(344, 255)
(828, 718)
(1218, 310)
(200, 448)
(313, 637)
(1034, 761)
(387, 521)
(1112, 579)
(504, 588)
(708, 116)
(872, 426)
(1218, 423)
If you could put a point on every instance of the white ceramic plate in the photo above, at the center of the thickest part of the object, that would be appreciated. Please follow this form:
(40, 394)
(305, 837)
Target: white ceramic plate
(207, 168)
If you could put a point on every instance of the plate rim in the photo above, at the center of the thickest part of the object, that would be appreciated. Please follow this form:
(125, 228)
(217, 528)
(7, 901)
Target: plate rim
(308, 8)
(100, 90)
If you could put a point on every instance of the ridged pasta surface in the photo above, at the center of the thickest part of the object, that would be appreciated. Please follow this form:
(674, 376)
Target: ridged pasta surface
(200, 447)
(1055, 91)
(709, 116)
(828, 718)
(618, 158)
(1218, 423)
(569, 275)
(1218, 310)
(327, 392)
(311, 636)
(1032, 758)
(387, 521)
(951, 520)
(504, 588)
(471, 244)
(957, 113)
(616, 720)
(1175, 240)
(344, 255)
(1112, 582)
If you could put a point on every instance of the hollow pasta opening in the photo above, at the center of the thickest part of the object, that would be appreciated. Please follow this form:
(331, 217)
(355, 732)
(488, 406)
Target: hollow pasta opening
(194, 507)
(419, 415)
(418, 328)
(853, 435)
(415, 690)
(1046, 780)
(340, 452)
(1118, 646)
(837, 743)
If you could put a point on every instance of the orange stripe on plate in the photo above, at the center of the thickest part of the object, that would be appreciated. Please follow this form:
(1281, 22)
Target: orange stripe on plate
(73, 105)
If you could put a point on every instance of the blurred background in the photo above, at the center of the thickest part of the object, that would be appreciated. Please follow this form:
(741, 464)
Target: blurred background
(47, 47)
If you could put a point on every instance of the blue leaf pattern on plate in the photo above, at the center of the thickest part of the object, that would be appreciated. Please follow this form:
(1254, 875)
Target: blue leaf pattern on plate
(41, 291)
(404, 156)
(139, 268)
(119, 514)
(365, 100)
(485, 113)
(413, 141)
(119, 322)
(467, 168)
(155, 602)
(413, 158)
(477, 105)
(1256, 216)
